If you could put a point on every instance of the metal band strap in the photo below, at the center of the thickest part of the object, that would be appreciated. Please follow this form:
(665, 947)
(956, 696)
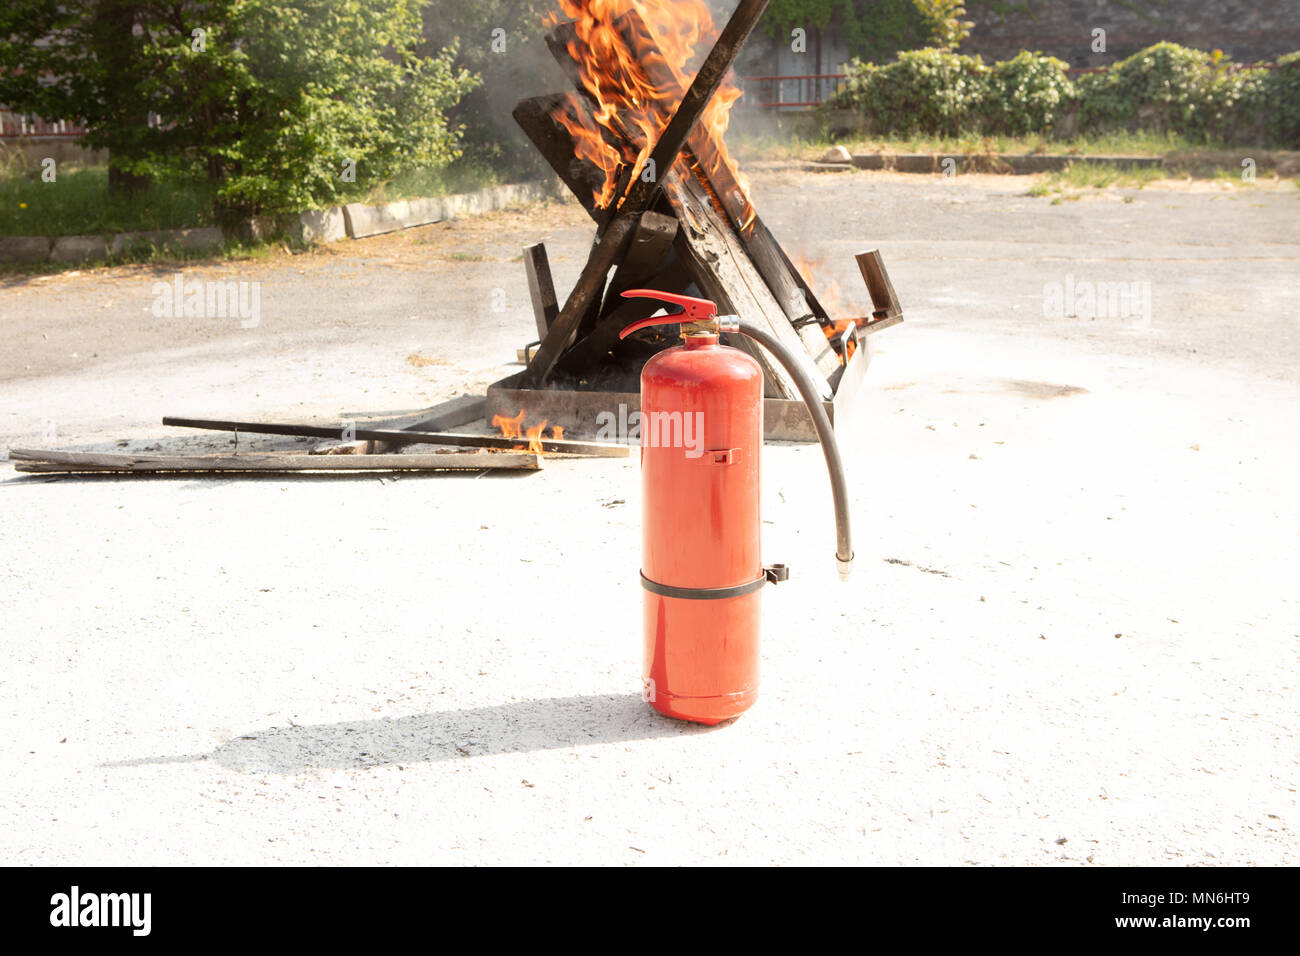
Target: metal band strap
(714, 594)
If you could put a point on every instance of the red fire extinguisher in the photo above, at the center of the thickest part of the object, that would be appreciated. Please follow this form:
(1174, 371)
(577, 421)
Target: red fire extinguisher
(702, 570)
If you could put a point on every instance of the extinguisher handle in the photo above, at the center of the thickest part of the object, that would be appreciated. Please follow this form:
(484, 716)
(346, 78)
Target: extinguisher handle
(692, 309)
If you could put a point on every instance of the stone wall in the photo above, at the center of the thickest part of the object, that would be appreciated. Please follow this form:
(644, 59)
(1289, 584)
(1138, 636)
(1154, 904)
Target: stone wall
(1245, 30)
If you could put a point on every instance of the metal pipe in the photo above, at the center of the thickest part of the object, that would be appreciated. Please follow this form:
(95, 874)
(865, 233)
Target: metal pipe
(825, 434)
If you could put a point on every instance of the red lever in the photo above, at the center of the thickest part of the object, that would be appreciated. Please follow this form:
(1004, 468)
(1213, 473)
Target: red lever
(693, 309)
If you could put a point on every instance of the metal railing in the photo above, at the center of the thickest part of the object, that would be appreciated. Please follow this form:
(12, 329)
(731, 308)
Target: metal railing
(14, 125)
(791, 92)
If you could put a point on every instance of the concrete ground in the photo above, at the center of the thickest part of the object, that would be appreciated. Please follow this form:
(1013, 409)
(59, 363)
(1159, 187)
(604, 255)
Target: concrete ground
(1071, 636)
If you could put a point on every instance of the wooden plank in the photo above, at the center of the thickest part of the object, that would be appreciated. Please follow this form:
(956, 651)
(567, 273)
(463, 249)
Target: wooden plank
(36, 460)
(652, 240)
(536, 117)
(541, 287)
(702, 89)
(726, 274)
(548, 445)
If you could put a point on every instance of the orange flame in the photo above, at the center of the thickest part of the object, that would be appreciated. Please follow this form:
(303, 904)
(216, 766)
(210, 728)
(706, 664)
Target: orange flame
(637, 80)
(831, 298)
(535, 437)
(510, 427)
(514, 428)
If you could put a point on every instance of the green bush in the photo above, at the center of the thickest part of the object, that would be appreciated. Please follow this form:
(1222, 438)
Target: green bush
(1170, 88)
(923, 91)
(1164, 89)
(1026, 94)
(1280, 101)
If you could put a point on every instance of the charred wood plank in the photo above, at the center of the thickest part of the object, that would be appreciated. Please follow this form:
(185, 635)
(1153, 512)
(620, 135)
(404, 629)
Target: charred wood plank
(536, 116)
(651, 241)
(884, 299)
(725, 273)
(590, 350)
(36, 460)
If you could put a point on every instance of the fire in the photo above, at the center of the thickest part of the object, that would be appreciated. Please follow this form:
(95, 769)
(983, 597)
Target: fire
(510, 427)
(514, 428)
(535, 437)
(636, 93)
(830, 297)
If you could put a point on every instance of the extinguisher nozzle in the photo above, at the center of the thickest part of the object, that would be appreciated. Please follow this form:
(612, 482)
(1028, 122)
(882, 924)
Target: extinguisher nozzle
(845, 567)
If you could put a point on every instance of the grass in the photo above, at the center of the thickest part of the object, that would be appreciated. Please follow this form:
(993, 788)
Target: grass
(794, 146)
(1096, 176)
(78, 201)
(1076, 180)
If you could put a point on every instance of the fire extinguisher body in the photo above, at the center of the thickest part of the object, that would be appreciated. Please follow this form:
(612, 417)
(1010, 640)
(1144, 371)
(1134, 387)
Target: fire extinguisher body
(702, 569)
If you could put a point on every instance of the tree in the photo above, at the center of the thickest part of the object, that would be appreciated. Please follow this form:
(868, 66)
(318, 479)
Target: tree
(500, 42)
(274, 103)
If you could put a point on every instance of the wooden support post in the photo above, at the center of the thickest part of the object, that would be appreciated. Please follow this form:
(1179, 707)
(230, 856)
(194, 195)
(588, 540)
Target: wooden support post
(591, 284)
(541, 287)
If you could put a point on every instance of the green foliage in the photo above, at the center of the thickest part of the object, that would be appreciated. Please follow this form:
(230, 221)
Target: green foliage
(508, 69)
(943, 21)
(1025, 94)
(1280, 101)
(872, 29)
(923, 91)
(1164, 87)
(268, 105)
(1162, 90)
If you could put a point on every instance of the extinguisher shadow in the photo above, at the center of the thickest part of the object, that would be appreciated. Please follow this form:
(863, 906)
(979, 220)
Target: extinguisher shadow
(519, 727)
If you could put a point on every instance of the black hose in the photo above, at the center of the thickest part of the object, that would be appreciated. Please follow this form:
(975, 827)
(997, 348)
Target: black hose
(825, 433)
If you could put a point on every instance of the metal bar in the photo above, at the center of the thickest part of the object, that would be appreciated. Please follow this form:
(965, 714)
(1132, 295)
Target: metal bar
(558, 446)
(883, 297)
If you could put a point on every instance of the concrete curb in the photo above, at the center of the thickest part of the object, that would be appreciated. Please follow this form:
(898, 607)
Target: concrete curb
(362, 221)
(1018, 164)
(353, 221)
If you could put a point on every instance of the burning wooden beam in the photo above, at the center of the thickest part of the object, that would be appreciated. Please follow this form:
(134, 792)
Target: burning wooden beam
(684, 189)
(707, 80)
(634, 149)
